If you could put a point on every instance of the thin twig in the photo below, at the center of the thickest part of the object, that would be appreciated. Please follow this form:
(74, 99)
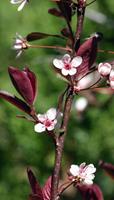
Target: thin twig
(51, 47)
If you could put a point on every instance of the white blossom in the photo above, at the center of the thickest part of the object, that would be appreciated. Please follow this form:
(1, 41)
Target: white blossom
(81, 104)
(47, 121)
(67, 65)
(21, 2)
(83, 174)
(104, 69)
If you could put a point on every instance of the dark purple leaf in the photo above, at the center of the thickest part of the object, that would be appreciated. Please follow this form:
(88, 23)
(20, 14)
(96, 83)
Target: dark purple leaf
(108, 167)
(24, 82)
(88, 52)
(36, 189)
(65, 8)
(15, 101)
(90, 192)
(37, 36)
(47, 189)
(55, 12)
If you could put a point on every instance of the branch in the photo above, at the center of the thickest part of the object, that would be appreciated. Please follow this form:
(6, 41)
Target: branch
(60, 145)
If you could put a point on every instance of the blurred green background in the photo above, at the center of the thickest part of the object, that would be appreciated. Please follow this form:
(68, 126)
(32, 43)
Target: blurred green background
(89, 139)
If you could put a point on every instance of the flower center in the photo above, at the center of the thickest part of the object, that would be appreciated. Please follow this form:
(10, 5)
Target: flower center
(48, 123)
(67, 66)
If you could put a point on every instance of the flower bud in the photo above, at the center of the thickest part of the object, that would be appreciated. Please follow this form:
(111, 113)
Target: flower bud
(25, 83)
(88, 81)
(104, 69)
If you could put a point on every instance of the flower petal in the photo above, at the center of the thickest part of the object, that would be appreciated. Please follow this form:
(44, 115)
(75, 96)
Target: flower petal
(58, 63)
(72, 71)
(51, 127)
(39, 128)
(76, 61)
(51, 113)
(22, 5)
(112, 84)
(41, 117)
(88, 181)
(66, 58)
(74, 170)
(16, 1)
(90, 169)
(65, 72)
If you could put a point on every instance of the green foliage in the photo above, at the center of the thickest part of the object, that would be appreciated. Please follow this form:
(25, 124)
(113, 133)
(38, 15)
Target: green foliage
(88, 140)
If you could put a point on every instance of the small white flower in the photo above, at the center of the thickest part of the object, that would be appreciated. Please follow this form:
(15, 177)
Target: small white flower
(81, 104)
(111, 79)
(67, 65)
(46, 121)
(83, 173)
(20, 44)
(104, 69)
(21, 2)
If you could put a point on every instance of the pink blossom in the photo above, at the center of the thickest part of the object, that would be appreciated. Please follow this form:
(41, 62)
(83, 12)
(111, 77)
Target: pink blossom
(83, 173)
(67, 65)
(46, 121)
(104, 69)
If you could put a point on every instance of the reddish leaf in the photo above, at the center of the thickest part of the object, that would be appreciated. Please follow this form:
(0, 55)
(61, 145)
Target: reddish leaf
(24, 82)
(37, 36)
(90, 192)
(15, 101)
(36, 189)
(108, 167)
(88, 52)
(47, 189)
(55, 12)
